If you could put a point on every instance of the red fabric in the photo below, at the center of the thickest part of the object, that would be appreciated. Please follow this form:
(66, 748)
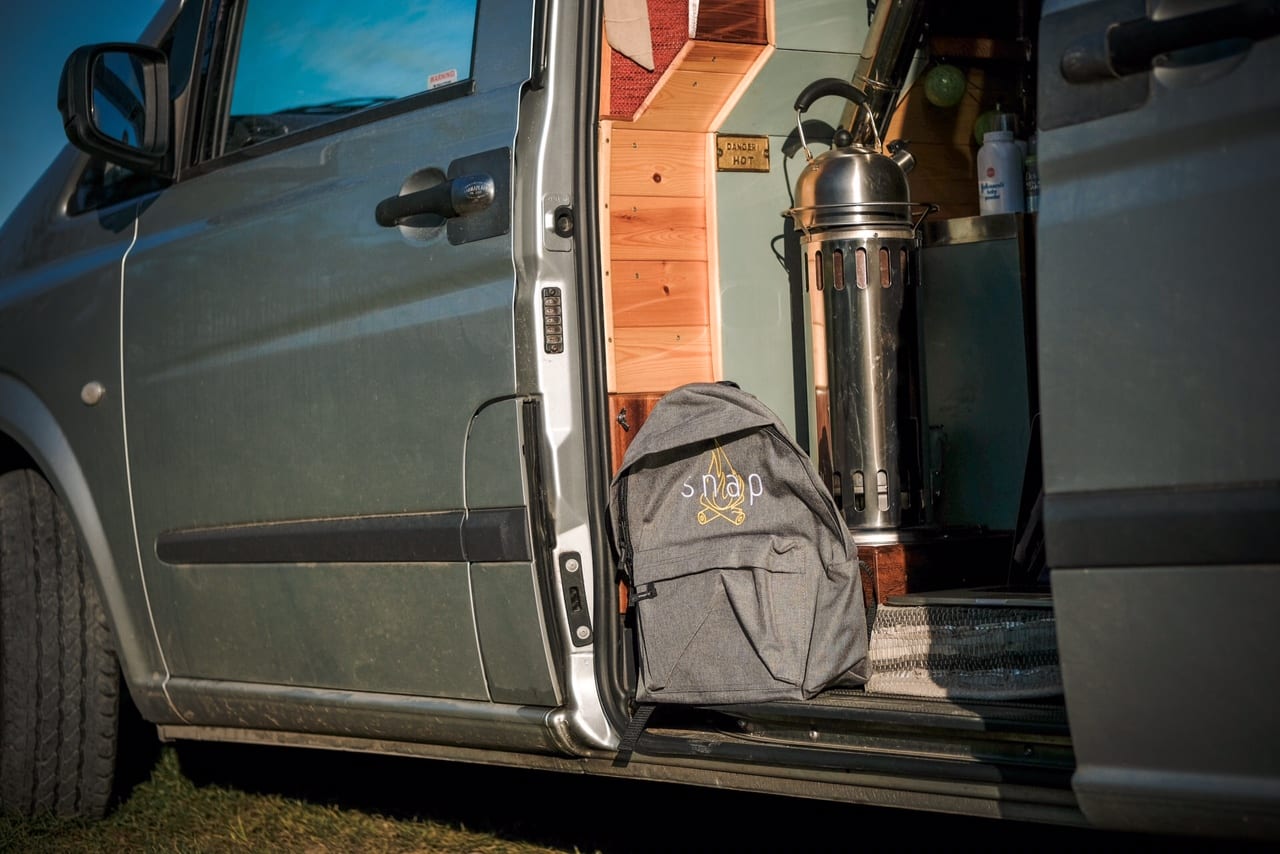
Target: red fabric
(629, 83)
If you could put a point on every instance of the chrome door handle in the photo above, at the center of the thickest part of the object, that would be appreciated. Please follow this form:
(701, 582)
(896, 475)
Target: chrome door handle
(1128, 47)
(459, 196)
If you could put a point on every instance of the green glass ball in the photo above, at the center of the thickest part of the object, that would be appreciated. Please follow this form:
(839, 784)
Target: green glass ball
(944, 85)
(986, 121)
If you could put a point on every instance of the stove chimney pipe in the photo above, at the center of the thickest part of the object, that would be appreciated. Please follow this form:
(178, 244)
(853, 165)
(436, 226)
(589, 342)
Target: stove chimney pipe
(887, 55)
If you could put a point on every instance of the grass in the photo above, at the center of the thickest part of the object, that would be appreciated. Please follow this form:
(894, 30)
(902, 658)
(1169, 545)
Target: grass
(216, 798)
(170, 812)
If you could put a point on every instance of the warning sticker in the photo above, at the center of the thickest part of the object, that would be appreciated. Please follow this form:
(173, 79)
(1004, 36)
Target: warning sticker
(442, 78)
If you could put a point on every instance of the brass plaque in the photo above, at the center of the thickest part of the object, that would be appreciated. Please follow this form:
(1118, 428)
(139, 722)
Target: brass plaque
(742, 153)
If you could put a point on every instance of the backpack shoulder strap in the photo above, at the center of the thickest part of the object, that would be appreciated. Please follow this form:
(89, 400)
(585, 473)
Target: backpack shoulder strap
(631, 736)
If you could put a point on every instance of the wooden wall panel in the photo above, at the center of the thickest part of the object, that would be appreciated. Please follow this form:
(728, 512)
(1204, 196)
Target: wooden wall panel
(632, 85)
(945, 175)
(660, 293)
(657, 163)
(713, 259)
(976, 560)
(657, 228)
(720, 57)
(633, 409)
(921, 122)
(659, 265)
(943, 144)
(606, 80)
(687, 100)
(659, 358)
(732, 21)
(606, 250)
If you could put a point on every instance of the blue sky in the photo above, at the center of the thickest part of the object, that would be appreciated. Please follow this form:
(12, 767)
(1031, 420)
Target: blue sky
(35, 39)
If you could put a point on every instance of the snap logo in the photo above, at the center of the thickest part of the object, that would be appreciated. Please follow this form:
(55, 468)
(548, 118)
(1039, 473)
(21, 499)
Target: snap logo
(723, 490)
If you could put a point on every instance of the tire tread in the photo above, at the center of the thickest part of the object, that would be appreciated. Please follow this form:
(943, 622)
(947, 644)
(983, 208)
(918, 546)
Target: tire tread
(60, 678)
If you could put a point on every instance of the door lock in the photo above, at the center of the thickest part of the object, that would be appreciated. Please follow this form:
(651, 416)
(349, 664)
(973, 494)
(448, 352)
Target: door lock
(562, 221)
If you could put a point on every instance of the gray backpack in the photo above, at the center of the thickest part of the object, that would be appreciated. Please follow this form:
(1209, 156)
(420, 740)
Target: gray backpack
(744, 575)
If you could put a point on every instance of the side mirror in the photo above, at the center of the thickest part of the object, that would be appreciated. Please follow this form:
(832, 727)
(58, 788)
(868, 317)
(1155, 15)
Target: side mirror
(114, 100)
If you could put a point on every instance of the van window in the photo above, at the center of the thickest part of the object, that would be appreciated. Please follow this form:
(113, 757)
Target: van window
(301, 63)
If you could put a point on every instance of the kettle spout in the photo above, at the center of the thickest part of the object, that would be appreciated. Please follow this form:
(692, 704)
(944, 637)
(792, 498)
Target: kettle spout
(899, 154)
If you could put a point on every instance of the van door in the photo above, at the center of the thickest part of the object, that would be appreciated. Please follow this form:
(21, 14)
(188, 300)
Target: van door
(1159, 124)
(323, 435)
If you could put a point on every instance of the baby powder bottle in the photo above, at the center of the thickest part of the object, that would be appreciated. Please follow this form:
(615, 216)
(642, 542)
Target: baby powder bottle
(999, 174)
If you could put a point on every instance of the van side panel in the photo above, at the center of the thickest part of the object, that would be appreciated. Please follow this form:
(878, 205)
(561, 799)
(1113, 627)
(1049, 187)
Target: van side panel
(1157, 312)
(60, 330)
(1173, 727)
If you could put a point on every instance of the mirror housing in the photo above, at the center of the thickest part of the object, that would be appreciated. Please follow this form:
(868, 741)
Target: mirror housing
(114, 101)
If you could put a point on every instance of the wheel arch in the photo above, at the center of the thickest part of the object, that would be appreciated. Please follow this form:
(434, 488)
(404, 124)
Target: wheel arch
(30, 436)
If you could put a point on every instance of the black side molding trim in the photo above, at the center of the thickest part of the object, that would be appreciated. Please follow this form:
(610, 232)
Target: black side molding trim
(1184, 527)
(497, 535)
(756, 753)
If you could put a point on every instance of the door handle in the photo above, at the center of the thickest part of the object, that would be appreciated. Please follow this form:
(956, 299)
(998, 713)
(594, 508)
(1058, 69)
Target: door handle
(1128, 47)
(459, 196)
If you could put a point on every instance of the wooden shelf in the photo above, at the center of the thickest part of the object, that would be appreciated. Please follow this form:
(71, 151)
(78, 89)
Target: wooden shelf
(977, 48)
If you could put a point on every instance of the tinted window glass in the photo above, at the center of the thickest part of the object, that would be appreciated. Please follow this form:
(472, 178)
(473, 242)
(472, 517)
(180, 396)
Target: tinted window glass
(303, 62)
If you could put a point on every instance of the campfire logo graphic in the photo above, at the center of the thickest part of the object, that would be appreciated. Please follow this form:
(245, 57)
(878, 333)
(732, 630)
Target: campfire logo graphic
(723, 490)
(723, 500)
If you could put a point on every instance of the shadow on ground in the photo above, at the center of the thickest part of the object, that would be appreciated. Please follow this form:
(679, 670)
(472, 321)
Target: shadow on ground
(587, 814)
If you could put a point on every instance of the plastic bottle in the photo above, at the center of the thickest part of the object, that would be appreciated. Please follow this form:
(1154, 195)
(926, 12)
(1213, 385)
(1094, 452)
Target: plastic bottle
(1000, 175)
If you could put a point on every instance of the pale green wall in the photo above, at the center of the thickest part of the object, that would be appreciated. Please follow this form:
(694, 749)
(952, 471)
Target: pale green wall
(814, 39)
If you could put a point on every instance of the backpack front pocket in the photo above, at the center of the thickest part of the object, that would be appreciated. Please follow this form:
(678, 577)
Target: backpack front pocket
(727, 623)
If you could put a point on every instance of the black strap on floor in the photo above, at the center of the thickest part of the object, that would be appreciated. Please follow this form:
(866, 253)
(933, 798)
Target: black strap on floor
(627, 745)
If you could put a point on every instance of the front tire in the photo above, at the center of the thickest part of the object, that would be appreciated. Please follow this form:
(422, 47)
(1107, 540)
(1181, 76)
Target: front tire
(59, 678)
